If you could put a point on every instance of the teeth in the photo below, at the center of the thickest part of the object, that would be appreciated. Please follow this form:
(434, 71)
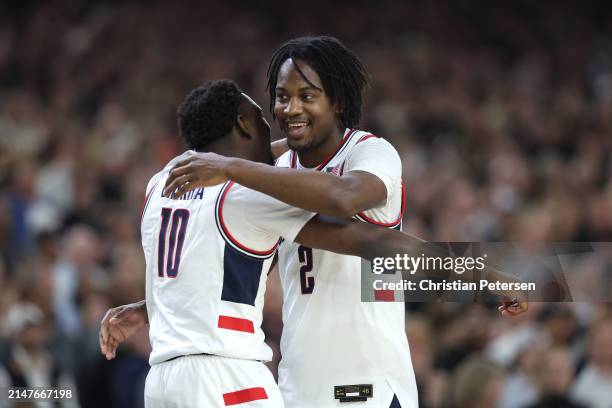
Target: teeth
(297, 124)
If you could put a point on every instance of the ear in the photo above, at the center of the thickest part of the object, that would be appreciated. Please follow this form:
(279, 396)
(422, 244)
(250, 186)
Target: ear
(337, 108)
(244, 127)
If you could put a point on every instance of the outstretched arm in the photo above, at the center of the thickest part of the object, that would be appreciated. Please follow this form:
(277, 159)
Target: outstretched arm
(341, 236)
(368, 242)
(324, 193)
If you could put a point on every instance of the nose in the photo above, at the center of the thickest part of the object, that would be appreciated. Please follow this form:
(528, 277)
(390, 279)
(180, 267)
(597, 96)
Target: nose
(293, 107)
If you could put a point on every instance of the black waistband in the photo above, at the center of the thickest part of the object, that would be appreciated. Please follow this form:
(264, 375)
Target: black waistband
(185, 355)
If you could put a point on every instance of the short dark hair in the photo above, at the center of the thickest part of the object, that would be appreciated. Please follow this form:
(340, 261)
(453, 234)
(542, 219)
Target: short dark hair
(342, 74)
(209, 112)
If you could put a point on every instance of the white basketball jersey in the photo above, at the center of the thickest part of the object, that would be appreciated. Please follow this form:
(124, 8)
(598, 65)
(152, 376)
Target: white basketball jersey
(207, 258)
(330, 337)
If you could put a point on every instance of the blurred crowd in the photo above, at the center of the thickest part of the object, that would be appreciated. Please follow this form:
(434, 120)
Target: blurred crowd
(502, 114)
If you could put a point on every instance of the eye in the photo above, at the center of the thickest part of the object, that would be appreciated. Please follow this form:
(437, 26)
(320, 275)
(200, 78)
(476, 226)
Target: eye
(307, 97)
(281, 98)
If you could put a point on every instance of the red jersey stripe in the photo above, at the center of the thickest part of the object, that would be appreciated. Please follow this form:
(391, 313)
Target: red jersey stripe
(235, 323)
(364, 138)
(231, 237)
(145, 204)
(384, 295)
(348, 135)
(246, 395)
(389, 224)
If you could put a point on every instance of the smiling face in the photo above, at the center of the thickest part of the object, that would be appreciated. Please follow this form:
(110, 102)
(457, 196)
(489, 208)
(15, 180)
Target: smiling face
(305, 114)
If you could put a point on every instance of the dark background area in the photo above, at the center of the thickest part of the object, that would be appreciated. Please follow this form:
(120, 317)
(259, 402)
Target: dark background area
(501, 112)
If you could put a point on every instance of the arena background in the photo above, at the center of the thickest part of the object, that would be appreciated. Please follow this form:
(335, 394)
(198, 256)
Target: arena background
(502, 114)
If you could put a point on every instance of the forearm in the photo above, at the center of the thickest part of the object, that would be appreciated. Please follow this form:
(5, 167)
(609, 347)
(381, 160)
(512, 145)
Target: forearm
(350, 237)
(370, 242)
(313, 191)
(389, 243)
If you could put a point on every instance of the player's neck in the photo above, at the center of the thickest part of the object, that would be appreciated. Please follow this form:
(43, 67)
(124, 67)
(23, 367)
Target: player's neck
(224, 148)
(316, 155)
(221, 149)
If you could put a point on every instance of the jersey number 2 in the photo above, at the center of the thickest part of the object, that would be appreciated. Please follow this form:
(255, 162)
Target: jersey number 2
(174, 241)
(307, 283)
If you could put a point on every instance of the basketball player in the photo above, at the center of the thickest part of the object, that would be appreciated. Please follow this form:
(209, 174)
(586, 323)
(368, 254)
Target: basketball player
(207, 253)
(315, 87)
(206, 265)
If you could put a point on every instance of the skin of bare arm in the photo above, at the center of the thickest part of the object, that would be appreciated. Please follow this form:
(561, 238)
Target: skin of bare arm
(341, 236)
(324, 193)
(119, 324)
(368, 242)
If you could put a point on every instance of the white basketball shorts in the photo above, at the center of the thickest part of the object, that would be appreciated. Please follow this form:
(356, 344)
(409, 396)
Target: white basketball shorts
(211, 381)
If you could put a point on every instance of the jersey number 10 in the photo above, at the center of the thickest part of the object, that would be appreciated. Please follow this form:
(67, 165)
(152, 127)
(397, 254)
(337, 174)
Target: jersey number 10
(174, 241)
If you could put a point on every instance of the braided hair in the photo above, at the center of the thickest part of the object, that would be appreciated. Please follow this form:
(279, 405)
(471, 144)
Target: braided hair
(342, 74)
